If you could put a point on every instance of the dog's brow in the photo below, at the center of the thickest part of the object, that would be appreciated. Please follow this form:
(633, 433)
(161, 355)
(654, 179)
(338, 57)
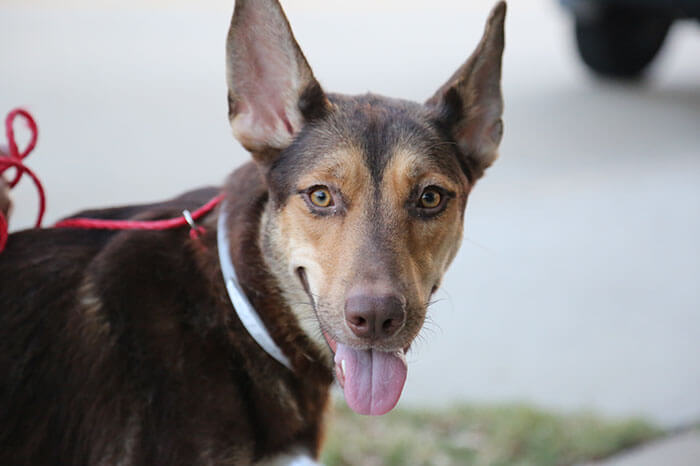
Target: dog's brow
(341, 165)
(417, 163)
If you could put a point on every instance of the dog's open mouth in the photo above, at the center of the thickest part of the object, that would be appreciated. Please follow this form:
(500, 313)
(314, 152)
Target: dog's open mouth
(372, 380)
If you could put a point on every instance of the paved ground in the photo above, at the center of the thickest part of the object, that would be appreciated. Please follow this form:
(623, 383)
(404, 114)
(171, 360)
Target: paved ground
(679, 450)
(577, 285)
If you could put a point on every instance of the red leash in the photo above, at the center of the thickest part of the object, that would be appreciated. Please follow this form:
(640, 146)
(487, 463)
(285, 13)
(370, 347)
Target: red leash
(15, 159)
(186, 219)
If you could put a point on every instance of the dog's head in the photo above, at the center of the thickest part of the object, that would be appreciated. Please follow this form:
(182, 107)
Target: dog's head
(367, 194)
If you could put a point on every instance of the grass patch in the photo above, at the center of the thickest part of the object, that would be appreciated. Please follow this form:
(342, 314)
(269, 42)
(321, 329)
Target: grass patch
(464, 435)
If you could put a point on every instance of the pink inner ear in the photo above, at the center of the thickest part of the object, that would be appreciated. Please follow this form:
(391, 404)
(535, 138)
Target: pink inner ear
(258, 126)
(285, 120)
(266, 78)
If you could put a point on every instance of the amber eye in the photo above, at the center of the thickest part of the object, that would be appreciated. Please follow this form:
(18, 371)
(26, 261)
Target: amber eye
(321, 197)
(430, 198)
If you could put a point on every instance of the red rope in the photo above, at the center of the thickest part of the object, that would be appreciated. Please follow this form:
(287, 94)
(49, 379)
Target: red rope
(14, 159)
(176, 222)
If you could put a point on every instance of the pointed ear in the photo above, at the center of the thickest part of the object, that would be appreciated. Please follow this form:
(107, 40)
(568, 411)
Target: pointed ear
(272, 92)
(470, 103)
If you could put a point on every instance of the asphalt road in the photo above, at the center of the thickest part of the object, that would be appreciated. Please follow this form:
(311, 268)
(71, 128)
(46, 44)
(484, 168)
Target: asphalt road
(578, 282)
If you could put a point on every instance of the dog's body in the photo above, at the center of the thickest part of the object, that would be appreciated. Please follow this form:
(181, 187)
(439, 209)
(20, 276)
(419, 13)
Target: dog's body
(123, 347)
(115, 351)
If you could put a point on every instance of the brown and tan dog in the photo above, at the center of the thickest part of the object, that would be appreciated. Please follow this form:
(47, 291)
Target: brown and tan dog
(124, 348)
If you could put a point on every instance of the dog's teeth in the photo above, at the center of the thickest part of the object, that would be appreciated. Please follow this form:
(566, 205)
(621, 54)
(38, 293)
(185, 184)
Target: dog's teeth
(342, 366)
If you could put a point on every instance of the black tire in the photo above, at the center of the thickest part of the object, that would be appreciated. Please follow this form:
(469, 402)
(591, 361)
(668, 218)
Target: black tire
(619, 42)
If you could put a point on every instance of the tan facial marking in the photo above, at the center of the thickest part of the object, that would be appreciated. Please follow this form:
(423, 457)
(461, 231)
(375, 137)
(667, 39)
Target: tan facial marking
(372, 236)
(322, 245)
(425, 246)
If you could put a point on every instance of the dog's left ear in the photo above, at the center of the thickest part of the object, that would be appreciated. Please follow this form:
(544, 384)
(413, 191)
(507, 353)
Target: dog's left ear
(272, 91)
(470, 103)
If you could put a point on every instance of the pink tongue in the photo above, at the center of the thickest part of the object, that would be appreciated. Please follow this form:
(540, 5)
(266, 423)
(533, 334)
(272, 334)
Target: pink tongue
(373, 379)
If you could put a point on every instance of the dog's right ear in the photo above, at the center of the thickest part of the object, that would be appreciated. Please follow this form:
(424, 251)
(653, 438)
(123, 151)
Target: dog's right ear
(272, 91)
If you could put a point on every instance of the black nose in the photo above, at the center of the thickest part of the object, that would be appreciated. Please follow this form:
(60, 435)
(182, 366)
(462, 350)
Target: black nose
(375, 317)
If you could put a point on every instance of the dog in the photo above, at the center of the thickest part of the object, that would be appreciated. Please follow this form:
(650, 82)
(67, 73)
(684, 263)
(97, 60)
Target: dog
(124, 347)
(5, 198)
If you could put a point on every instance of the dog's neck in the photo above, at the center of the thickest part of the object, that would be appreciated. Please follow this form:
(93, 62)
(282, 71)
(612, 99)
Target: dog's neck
(245, 311)
(246, 200)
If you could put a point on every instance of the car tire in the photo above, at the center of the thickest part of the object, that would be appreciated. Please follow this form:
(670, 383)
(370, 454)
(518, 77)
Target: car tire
(620, 42)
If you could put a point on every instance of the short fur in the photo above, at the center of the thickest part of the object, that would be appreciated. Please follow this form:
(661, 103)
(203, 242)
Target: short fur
(5, 199)
(123, 347)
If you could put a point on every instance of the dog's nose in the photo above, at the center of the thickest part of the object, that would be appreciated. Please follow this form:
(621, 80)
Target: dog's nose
(375, 317)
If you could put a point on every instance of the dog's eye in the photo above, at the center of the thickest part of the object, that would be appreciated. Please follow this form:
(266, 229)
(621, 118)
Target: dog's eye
(321, 197)
(430, 198)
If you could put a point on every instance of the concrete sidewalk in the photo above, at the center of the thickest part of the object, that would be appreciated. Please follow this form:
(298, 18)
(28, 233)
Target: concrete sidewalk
(678, 450)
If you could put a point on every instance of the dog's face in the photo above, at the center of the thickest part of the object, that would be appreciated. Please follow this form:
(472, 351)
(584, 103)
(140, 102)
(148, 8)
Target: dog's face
(367, 194)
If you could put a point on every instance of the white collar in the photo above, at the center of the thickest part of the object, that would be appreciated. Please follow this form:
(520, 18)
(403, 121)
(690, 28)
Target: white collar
(249, 318)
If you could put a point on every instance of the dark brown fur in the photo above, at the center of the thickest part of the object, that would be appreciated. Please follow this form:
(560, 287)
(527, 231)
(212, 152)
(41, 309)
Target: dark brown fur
(107, 337)
(5, 200)
(123, 347)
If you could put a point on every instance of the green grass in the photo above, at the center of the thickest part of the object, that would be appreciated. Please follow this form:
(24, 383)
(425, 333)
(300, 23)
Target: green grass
(477, 435)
